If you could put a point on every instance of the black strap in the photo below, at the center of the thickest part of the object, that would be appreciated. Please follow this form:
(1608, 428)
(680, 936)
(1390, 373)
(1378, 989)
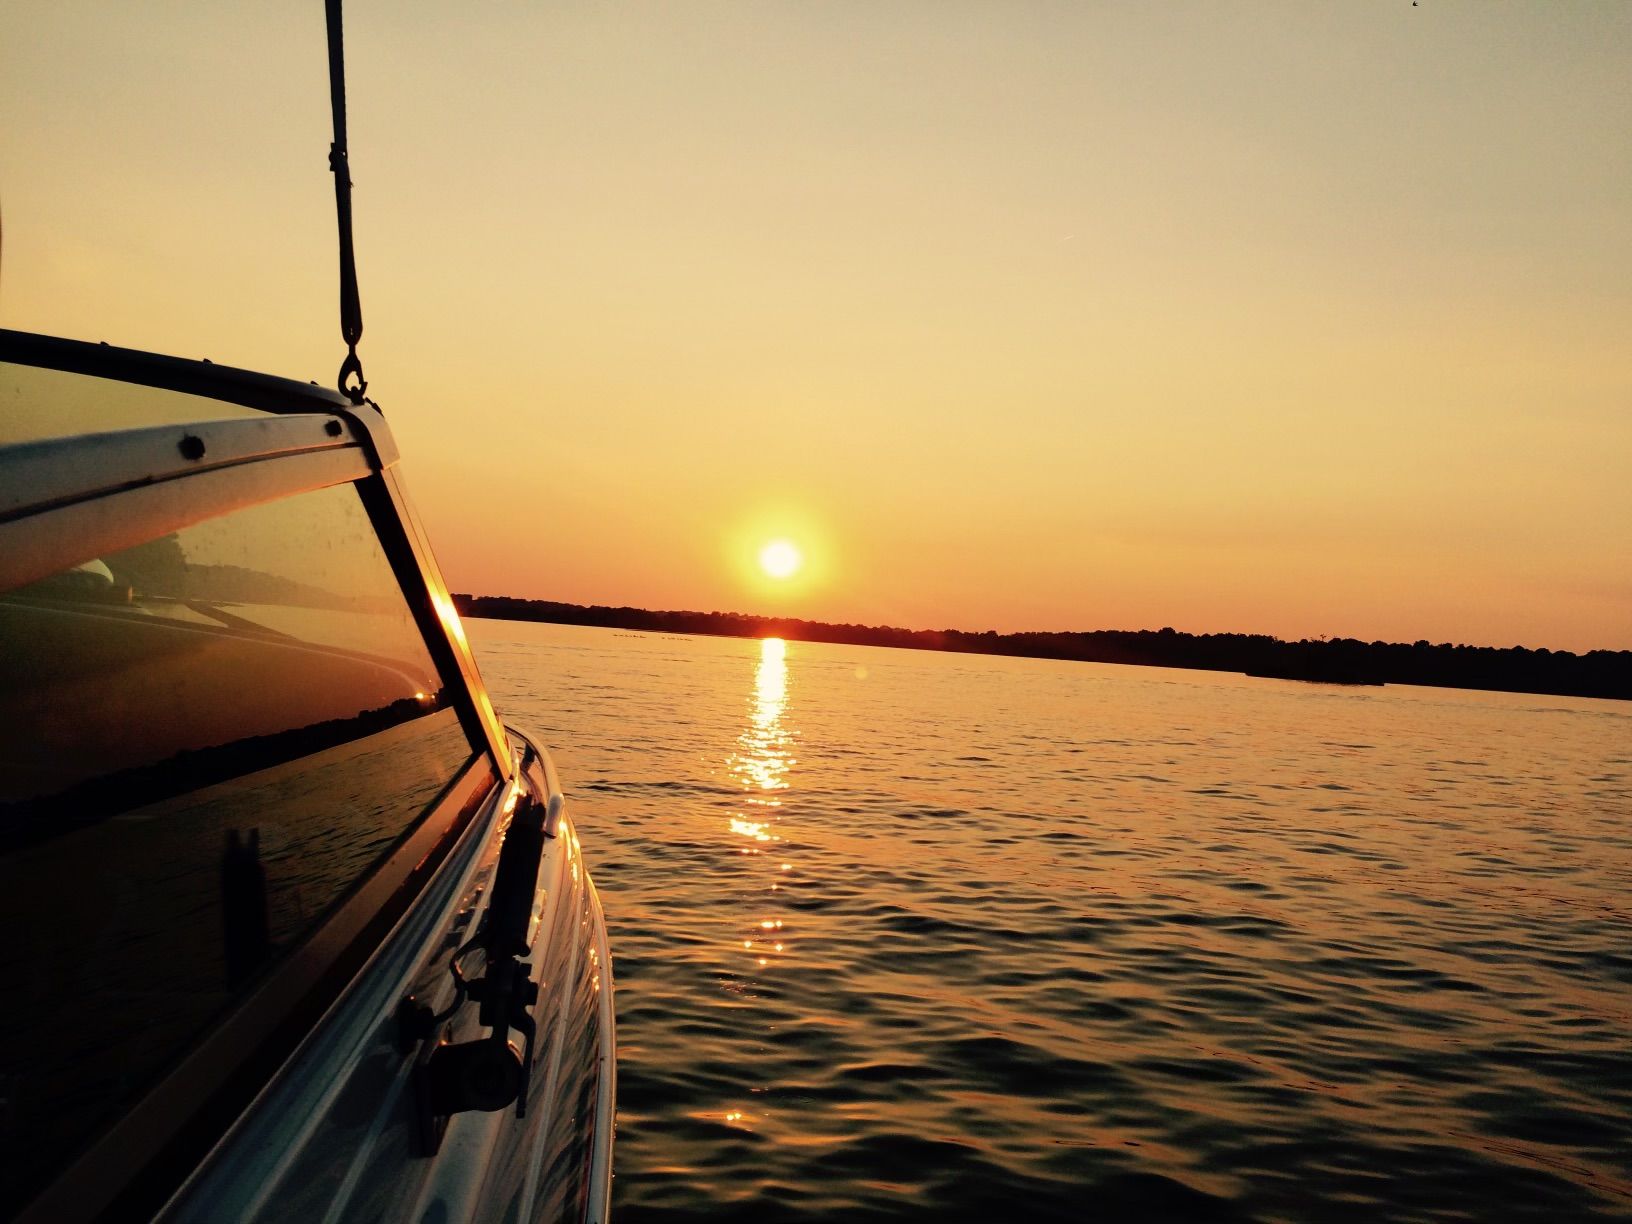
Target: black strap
(351, 308)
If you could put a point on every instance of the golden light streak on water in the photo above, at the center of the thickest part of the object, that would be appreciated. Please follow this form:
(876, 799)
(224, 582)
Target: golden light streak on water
(756, 829)
(762, 765)
(763, 760)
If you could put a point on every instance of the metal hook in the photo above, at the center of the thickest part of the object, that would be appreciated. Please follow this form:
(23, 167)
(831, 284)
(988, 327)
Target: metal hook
(352, 365)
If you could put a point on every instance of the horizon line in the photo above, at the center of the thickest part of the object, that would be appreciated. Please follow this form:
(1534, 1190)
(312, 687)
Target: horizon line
(1019, 633)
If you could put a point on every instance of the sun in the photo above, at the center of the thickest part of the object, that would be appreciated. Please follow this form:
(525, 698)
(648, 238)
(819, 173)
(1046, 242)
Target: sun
(780, 559)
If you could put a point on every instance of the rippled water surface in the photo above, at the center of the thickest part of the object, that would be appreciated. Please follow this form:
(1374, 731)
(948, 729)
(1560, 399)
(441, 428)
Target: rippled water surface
(912, 936)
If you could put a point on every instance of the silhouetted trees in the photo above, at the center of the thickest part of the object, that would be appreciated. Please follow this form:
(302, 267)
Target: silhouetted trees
(1598, 673)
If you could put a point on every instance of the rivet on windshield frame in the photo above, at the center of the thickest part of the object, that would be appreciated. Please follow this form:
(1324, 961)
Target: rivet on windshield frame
(192, 447)
(332, 429)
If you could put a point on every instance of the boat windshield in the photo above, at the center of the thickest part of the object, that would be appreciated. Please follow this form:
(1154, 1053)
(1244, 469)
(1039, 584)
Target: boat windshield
(36, 404)
(212, 738)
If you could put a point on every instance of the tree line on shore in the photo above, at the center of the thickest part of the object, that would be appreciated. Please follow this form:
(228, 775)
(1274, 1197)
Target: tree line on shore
(1598, 673)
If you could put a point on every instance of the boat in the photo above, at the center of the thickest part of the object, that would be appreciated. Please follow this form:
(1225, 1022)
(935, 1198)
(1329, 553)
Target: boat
(297, 928)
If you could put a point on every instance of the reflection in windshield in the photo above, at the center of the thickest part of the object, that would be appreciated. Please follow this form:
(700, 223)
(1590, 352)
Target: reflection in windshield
(153, 921)
(253, 628)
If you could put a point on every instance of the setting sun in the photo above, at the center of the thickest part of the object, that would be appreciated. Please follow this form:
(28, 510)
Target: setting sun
(780, 559)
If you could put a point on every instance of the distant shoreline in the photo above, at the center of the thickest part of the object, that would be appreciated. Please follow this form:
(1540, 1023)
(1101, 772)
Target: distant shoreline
(1598, 673)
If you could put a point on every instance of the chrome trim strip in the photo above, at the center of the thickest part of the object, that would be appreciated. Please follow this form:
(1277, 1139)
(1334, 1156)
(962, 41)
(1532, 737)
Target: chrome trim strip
(50, 541)
(599, 1206)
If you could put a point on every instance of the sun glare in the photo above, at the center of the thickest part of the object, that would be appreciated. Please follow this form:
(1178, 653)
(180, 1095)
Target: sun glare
(780, 559)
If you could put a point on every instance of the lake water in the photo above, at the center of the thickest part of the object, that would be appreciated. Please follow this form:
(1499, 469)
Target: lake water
(912, 936)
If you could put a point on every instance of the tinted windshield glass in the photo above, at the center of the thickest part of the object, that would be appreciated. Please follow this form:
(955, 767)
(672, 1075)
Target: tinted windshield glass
(36, 403)
(211, 738)
(236, 642)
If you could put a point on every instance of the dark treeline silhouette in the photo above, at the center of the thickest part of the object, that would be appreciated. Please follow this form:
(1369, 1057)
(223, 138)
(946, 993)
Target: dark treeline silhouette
(1599, 673)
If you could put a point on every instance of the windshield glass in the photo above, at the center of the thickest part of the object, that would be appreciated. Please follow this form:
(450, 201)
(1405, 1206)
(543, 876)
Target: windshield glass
(270, 628)
(211, 739)
(37, 404)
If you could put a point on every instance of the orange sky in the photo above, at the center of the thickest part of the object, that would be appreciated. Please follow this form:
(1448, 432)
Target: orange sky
(1296, 318)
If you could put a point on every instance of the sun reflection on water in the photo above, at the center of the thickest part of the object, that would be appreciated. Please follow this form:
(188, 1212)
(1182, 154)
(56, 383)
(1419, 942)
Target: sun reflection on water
(756, 829)
(762, 760)
(762, 764)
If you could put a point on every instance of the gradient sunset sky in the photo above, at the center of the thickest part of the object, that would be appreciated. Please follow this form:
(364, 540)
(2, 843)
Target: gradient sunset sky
(1292, 318)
